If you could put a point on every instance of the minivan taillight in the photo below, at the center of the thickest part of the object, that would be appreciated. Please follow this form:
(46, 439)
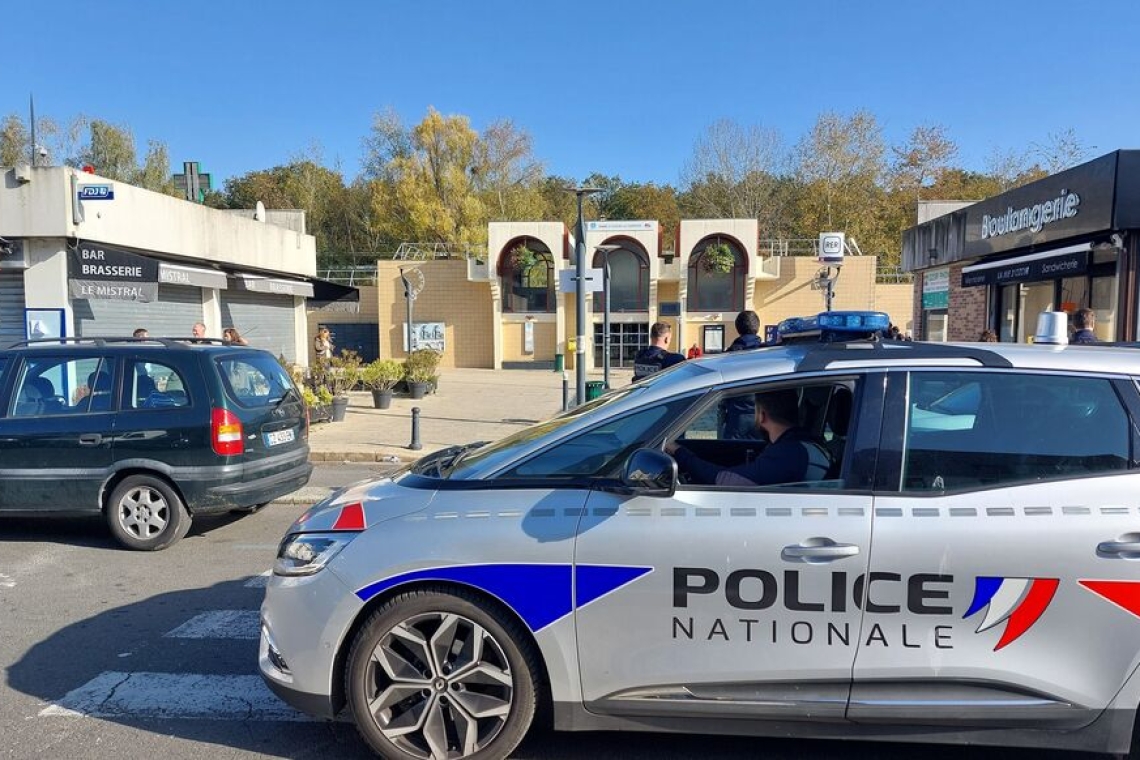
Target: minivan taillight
(225, 433)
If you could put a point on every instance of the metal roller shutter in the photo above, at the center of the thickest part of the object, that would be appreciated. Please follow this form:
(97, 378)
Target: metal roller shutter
(267, 321)
(173, 315)
(11, 308)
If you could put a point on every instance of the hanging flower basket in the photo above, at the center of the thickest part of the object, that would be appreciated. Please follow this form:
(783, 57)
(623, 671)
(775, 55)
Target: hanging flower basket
(718, 258)
(523, 258)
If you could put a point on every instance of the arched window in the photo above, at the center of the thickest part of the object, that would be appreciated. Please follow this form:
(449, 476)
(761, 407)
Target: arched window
(712, 289)
(629, 281)
(526, 270)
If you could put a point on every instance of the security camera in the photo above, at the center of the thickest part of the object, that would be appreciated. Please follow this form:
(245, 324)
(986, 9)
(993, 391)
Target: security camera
(1117, 240)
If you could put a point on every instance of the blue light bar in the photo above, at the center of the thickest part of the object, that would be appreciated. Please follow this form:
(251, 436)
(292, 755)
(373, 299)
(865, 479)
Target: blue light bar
(834, 325)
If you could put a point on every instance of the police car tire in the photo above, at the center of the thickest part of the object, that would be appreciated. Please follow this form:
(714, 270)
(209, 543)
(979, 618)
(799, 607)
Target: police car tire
(135, 490)
(506, 632)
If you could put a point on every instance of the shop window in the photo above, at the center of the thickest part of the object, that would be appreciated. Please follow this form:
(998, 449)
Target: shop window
(528, 284)
(629, 281)
(712, 290)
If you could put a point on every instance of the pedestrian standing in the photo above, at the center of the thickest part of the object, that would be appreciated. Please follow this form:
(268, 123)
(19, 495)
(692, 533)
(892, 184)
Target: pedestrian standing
(747, 329)
(231, 336)
(695, 351)
(1085, 322)
(322, 344)
(140, 332)
(657, 356)
(198, 330)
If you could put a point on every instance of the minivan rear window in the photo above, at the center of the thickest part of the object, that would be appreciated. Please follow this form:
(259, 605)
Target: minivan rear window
(254, 379)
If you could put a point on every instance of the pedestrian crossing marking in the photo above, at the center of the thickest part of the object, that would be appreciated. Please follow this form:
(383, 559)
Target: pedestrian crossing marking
(185, 696)
(220, 624)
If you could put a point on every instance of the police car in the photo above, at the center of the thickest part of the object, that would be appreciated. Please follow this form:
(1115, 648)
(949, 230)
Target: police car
(967, 571)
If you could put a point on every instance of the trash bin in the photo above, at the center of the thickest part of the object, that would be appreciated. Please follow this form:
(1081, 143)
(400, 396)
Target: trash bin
(594, 388)
(559, 362)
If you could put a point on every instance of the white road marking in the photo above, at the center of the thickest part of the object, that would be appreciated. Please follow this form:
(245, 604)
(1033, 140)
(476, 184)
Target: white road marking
(259, 581)
(186, 696)
(7, 581)
(220, 624)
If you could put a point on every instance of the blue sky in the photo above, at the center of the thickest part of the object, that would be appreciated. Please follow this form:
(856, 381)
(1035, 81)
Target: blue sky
(618, 87)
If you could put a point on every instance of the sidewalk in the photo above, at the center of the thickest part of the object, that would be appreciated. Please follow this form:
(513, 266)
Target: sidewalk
(470, 405)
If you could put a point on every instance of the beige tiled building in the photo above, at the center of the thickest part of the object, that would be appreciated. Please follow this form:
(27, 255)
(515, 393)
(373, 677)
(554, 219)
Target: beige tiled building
(511, 310)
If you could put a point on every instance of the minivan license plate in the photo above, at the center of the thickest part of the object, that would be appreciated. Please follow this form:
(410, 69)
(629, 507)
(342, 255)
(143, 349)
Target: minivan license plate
(279, 437)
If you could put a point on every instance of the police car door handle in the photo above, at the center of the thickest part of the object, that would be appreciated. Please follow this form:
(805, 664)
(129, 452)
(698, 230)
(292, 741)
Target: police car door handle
(90, 439)
(1119, 548)
(818, 550)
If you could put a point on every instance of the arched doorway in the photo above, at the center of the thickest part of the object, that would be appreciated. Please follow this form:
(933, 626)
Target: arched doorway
(717, 268)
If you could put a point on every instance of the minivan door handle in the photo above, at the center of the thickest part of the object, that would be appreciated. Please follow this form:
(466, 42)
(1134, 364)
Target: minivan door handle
(818, 550)
(90, 439)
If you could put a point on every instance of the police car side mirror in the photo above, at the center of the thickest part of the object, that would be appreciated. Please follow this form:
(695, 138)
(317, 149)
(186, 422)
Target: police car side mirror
(650, 472)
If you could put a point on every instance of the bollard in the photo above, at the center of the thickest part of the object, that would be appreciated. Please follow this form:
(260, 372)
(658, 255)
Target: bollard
(565, 391)
(415, 445)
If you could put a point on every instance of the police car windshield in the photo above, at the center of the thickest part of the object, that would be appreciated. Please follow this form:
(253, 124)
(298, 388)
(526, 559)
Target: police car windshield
(504, 448)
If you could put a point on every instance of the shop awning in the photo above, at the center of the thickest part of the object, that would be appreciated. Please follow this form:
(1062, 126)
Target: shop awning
(260, 284)
(1069, 261)
(332, 296)
(179, 274)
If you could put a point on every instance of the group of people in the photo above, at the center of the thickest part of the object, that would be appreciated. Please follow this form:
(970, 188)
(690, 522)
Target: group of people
(230, 335)
(1082, 328)
(657, 356)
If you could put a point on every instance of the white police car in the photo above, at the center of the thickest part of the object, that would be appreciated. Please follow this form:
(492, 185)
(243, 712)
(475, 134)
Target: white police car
(965, 572)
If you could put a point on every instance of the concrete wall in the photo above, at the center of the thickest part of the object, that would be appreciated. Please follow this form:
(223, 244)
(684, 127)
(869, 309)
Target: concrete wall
(41, 207)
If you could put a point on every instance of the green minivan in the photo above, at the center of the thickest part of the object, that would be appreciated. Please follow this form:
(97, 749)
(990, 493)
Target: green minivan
(148, 432)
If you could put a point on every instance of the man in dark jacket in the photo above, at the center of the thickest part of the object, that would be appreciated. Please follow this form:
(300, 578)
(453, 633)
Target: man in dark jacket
(739, 413)
(791, 456)
(1085, 322)
(657, 356)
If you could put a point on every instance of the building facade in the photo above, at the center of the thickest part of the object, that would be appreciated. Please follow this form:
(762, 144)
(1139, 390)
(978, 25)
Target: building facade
(518, 308)
(85, 256)
(1062, 243)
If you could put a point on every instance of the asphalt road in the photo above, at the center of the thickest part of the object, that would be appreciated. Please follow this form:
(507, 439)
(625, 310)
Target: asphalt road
(110, 654)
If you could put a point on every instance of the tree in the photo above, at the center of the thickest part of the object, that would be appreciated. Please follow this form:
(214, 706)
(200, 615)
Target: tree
(734, 173)
(1061, 150)
(110, 149)
(925, 155)
(840, 168)
(15, 142)
(155, 171)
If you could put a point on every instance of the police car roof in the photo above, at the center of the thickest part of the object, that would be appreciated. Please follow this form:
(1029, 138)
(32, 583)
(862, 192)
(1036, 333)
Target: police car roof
(811, 357)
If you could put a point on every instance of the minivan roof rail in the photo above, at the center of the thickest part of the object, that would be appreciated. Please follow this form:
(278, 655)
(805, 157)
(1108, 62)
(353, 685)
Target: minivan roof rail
(110, 340)
(820, 356)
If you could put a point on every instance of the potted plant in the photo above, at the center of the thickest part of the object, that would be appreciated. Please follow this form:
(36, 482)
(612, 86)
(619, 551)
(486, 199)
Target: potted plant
(523, 258)
(718, 258)
(420, 370)
(342, 375)
(319, 402)
(381, 377)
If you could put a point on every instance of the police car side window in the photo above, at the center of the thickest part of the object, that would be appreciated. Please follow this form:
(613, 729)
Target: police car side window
(602, 450)
(977, 430)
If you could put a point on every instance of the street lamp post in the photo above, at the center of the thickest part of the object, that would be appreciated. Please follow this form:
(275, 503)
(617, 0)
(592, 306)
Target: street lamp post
(580, 281)
(606, 250)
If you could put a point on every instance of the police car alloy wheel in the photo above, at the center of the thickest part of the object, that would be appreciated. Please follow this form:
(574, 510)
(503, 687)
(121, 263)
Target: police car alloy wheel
(433, 674)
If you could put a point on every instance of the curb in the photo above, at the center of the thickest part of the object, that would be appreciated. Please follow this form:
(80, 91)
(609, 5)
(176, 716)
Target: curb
(385, 457)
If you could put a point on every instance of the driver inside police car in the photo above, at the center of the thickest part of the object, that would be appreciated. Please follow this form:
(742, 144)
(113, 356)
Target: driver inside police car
(792, 455)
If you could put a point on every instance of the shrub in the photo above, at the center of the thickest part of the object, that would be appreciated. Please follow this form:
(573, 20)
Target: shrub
(422, 366)
(381, 375)
(343, 372)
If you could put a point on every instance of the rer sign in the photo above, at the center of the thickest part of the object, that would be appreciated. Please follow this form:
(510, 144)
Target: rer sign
(96, 193)
(831, 245)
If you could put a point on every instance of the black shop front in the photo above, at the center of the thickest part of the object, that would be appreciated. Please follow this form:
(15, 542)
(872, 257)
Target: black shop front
(1065, 242)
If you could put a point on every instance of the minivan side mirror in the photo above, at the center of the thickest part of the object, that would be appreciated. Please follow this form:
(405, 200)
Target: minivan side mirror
(650, 472)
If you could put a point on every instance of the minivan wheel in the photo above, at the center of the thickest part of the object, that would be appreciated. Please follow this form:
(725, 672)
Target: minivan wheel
(434, 675)
(145, 513)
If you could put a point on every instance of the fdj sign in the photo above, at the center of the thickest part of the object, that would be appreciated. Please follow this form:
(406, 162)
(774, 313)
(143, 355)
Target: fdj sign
(96, 193)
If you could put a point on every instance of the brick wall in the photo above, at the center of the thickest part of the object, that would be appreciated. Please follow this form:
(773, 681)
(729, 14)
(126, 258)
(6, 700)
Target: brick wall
(967, 308)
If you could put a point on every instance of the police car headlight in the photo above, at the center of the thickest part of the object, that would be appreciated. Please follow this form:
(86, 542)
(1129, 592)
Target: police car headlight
(308, 553)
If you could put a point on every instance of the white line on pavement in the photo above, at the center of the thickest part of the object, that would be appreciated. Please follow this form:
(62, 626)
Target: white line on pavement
(187, 696)
(259, 581)
(219, 624)
(6, 581)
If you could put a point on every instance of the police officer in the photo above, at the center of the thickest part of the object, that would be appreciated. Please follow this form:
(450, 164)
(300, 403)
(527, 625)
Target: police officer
(740, 413)
(657, 356)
